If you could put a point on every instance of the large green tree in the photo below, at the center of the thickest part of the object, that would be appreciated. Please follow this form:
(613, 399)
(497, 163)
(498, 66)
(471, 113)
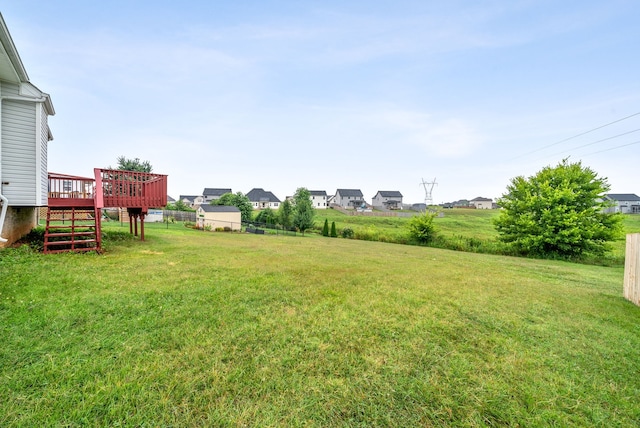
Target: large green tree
(236, 200)
(558, 212)
(136, 164)
(303, 211)
(285, 213)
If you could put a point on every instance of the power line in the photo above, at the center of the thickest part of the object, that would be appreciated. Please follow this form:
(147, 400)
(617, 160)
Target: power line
(576, 136)
(612, 148)
(596, 142)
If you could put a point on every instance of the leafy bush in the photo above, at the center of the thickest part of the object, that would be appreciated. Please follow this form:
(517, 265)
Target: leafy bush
(333, 233)
(347, 232)
(421, 228)
(35, 239)
(558, 212)
(266, 216)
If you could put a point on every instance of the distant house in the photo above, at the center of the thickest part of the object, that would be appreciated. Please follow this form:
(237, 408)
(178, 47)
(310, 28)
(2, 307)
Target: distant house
(626, 203)
(388, 200)
(24, 137)
(192, 201)
(319, 199)
(218, 216)
(170, 200)
(210, 194)
(261, 199)
(462, 203)
(349, 198)
(481, 203)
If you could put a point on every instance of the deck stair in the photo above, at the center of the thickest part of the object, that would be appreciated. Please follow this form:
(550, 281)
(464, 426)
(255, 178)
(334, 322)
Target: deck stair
(72, 229)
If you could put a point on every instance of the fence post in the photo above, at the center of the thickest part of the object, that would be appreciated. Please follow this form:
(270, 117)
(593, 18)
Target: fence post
(632, 269)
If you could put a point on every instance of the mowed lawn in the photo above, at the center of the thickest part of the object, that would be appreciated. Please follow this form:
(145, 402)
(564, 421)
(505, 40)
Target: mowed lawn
(197, 328)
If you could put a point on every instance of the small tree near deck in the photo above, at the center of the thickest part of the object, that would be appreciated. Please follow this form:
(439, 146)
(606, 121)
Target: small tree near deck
(558, 212)
(136, 164)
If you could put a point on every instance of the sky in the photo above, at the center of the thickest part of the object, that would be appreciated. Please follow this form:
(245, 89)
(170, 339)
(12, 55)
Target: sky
(370, 95)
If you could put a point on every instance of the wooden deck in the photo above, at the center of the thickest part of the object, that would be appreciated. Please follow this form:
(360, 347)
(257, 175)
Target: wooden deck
(135, 191)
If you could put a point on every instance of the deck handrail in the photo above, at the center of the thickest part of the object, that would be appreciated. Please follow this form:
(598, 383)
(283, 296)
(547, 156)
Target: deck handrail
(130, 189)
(65, 186)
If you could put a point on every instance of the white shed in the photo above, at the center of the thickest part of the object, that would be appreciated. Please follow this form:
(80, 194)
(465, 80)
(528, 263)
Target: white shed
(219, 216)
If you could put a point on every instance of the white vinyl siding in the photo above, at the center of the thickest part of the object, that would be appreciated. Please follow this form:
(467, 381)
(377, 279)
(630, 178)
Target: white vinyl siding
(9, 89)
(19, 151)
(43, 198)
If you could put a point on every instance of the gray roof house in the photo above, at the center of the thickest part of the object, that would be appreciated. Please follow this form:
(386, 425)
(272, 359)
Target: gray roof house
(209, 194)
(24, 138)
(194, 201)
(481, 203)
(349, 198)
(626, 203)
(387, 200)
(261, 199)
(319, 199)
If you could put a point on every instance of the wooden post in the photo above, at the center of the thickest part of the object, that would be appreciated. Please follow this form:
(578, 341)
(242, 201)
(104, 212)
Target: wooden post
(632, 269)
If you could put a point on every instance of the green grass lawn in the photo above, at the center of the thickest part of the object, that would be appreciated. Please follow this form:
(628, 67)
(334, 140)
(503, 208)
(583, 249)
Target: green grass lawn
(195, 328)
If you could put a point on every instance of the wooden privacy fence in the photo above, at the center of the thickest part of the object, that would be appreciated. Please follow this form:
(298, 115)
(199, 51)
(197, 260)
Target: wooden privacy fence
(632, 269)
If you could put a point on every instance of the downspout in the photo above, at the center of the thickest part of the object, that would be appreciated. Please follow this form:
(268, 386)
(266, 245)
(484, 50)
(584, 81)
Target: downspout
(5, 205)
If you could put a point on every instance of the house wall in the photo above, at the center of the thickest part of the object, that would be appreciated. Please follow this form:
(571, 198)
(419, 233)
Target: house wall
(23, 149)
(626, 207)
(263, 205)
(319, 202)
(345, 201)
(18, 222)
(483, 205)
(378, 201)
(220, 219)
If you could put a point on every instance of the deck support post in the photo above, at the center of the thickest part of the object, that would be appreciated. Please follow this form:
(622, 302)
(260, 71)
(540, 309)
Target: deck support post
(142, 226)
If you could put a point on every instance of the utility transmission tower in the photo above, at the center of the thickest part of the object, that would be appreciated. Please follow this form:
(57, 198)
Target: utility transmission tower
(428, 192)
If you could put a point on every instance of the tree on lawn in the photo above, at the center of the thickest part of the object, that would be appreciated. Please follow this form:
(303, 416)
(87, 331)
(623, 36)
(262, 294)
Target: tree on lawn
(285, 213)
(236, 200)
(267, 216)
(333, 233)
(178, 206)
(325, 228)
(558, 212)
(303, 211)
(136, 164)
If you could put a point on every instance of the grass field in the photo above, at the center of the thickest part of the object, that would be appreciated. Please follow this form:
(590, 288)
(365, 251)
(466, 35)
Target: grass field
(461, 229)
(193, 328)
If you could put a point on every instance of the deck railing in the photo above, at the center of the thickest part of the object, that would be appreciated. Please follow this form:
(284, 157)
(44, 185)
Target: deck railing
(70, 190)
(130, 189)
